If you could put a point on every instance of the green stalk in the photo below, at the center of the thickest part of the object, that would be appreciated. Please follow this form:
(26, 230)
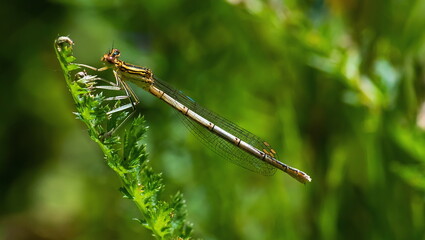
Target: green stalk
(126, 154)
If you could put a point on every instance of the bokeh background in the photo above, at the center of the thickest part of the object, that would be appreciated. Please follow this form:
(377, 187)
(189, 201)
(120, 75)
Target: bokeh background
(335, 86)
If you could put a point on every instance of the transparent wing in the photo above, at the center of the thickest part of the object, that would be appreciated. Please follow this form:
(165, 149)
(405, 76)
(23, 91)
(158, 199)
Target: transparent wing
(222, 147)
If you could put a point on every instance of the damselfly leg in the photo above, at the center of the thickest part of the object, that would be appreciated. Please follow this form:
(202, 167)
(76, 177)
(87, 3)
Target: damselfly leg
(96, 83)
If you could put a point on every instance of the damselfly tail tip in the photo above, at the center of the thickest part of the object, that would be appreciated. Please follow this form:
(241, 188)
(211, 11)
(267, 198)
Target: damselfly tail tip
(303, 177)
(300, 176)
(307, 179)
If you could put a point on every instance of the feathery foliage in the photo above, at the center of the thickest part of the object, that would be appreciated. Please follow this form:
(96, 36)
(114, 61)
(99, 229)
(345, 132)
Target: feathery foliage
(126, 155)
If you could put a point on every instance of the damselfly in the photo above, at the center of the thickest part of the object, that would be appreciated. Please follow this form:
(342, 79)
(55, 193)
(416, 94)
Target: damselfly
(224, 137)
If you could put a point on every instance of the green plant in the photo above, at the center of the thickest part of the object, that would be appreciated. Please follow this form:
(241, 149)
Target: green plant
(126, 154)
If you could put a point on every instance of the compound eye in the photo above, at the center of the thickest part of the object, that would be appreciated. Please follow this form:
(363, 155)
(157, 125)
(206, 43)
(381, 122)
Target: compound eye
(115, 53)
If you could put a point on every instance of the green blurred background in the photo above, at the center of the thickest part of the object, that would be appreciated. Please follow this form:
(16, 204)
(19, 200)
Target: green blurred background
(335, 86)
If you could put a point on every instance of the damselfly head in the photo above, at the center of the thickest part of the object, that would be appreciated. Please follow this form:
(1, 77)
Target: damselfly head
(115, 53)
(112, 56)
